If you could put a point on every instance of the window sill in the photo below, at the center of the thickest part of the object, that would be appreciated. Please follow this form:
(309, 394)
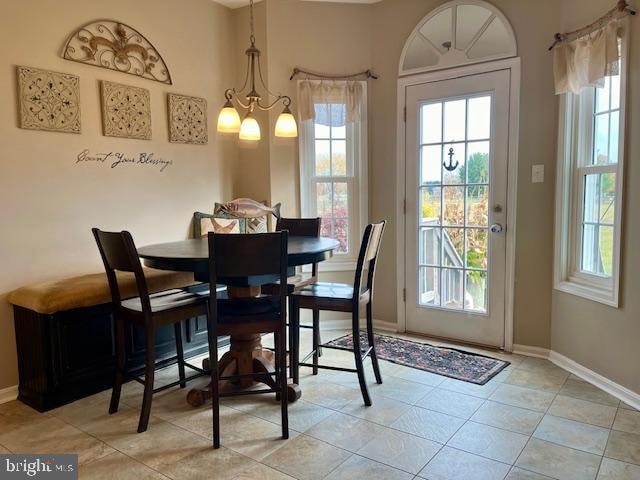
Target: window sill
(605, 296)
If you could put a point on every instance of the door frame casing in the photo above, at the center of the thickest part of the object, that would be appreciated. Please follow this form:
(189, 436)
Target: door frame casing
(513, 65)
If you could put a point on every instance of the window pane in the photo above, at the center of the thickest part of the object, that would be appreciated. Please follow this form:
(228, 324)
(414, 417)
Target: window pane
(602, 96)
(477, 248)
(477, 162)
(429, 280)
(324, 200)
(614, 137)
(339, 157)
(430, 206)
(475, 297)
(431, 123)
(340, 200)
(326, 227)
(322, 121)
(590, 249)
(323, 154)
(591, 200)
(453, 247)
(429, 246)
(452, 153)
(478, 206)
(452, 288)
(431, 164)
(341, 233)
(454, 120)
(453, 205)
(601, 140)
(338, 121)
(479, 121)
(606, 250)
(615, 92)
(608, 198)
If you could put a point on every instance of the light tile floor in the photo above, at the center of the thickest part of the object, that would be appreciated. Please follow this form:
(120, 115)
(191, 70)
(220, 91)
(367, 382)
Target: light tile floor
(533, 421)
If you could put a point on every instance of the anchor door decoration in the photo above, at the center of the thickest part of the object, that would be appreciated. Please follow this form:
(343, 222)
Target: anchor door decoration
(113, 45)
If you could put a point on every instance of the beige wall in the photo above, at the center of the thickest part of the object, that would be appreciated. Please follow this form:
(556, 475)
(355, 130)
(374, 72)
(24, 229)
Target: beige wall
(47, 203)
(603, 338)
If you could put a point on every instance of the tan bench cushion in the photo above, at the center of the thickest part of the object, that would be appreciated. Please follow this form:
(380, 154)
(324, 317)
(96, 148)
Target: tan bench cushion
(92, 289)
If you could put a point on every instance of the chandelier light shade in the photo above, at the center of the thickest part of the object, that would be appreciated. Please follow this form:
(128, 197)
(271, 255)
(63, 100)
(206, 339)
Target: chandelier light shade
(249, 129)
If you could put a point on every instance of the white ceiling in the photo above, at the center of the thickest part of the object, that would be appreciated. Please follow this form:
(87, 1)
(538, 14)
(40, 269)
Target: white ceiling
(242, 3)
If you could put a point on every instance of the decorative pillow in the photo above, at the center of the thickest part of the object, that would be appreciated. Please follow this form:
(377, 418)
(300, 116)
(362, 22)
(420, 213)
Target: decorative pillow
(204, 223)
(252, 225)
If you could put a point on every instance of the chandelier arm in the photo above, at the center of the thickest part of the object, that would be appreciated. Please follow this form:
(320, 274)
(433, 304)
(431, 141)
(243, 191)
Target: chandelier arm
(246, 79)
(239, 102)
(264, 85)
(265, 108)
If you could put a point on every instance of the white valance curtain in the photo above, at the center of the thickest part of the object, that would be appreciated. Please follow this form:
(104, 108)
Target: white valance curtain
(312, 92)
(585, 61)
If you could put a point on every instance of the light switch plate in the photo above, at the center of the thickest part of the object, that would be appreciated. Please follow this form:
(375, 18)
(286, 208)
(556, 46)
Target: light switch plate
(537, 174)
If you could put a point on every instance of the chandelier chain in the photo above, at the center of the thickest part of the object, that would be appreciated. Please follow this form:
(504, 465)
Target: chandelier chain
(253, 37)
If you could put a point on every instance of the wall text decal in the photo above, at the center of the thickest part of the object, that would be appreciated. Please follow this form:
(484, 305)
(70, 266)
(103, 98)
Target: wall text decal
(118, 159)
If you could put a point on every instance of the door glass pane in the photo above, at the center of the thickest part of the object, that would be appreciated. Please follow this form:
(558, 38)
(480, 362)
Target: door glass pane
(453, 198)
(477, 206)
(475, 295)
(454, 120)
(479, 118)
(477, 248)
(323, 158)
(453, 157)
(429, 246)
(430, 206)
(477, 165)
(431, 119)
(429, 286)
(452, 281)
(453, 247)
(431, 164)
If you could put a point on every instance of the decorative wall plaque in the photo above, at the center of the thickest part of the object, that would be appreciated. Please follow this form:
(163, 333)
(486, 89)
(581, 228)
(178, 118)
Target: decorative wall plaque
(48, 100)
(187, 119)
(126, 111)
(116, 46)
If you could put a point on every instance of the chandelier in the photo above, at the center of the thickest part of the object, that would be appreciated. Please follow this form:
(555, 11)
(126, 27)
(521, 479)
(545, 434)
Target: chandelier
(248, 128)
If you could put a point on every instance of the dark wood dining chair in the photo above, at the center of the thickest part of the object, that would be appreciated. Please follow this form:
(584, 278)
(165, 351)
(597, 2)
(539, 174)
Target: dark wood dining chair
(300, 227)
(233, 259)
(150, 312)
(340, 297)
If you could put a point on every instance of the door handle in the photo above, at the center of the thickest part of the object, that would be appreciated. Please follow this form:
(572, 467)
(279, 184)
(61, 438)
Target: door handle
(496, 228)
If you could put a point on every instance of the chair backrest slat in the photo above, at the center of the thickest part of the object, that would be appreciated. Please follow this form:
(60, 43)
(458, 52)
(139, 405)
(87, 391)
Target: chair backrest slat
(300, 227)
(119, 253)
(369, 249)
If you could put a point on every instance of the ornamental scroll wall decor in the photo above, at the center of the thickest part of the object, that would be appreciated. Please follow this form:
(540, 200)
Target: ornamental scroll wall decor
(116, 46)
(48, 100)
(187, 119)
(126, 111)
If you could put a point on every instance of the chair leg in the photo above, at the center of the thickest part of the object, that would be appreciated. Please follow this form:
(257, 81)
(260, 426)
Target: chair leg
(150, 369)
(294, 329)
(316, 339)
(120, 364)
(316, 321)
(281, 369)
(290, 334)
(371, 338)
(357, 353)
(177, 328)
(212, 336)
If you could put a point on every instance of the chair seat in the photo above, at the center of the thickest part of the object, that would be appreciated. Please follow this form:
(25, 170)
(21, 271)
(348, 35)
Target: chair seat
(294, 283)
(165, 300)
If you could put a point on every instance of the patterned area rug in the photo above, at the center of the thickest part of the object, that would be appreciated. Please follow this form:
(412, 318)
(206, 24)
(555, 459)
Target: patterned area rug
(469, 367)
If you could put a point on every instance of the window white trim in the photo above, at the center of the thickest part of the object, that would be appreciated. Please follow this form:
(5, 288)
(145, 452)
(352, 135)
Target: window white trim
(568, 277)
(358, 185)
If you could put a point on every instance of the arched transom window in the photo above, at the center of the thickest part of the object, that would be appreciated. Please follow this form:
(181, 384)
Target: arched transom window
(458, 33)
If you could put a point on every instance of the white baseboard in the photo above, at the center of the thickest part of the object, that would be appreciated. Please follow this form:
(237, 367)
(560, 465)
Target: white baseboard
(612, 388)
(530, 351)
(8, 394)
(627, 396)
(346, 325)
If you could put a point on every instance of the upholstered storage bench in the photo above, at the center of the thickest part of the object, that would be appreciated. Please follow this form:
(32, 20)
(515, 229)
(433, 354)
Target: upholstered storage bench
(64, 335)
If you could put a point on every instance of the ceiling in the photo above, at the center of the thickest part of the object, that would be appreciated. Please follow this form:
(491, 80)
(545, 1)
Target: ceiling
(242, 3)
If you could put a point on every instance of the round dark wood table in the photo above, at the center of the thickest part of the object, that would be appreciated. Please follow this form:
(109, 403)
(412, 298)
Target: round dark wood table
(246, 354)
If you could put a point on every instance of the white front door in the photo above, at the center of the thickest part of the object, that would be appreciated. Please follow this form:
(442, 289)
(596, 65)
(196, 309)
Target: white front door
(457, 135)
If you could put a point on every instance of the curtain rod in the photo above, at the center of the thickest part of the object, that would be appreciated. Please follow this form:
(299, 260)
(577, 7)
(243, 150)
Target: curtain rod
(366, 75)
(622, 8)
